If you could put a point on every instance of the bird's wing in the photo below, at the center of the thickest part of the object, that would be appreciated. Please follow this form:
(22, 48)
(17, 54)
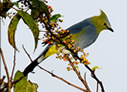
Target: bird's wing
(76, 28)
(84, 33)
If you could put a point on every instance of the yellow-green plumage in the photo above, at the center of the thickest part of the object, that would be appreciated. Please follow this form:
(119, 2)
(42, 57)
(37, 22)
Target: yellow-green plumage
(52, 50)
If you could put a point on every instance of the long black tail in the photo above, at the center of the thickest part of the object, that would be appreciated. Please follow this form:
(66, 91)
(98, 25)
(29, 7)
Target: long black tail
(38, 60)
(30, 67)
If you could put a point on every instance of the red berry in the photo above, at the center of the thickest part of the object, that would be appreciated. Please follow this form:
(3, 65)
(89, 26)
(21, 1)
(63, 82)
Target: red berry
(49, 43)
(49, 7)
(46, 40)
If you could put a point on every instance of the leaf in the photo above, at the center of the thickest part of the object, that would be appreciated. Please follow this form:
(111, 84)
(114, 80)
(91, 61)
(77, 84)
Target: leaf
(32, 25)
(11, 30)
(31, 87)
(95, 67)
(55, 17)
(23, 85)
(41, 7)
(18, 74)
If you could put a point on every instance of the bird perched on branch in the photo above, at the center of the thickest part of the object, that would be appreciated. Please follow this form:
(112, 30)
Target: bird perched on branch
(84, 33)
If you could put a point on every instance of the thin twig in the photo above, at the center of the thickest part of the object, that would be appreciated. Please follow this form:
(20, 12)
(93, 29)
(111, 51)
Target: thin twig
(97, 87)
(78, 74)
(27, 53)
(85, 76)
(63, 79)
(2, 80)
(41, 31)
(95, 77)
(13, 64)
(6, 70)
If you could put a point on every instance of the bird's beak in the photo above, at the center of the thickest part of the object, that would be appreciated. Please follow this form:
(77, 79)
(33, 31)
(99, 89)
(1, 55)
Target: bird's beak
(109, 28)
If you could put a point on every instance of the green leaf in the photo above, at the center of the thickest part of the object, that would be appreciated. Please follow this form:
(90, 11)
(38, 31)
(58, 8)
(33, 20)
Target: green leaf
(95, 67)
(41, 7)
(18, 74)
(55, 17)
(31, 87)
(11, 30)
(31, 23)
(23, 85)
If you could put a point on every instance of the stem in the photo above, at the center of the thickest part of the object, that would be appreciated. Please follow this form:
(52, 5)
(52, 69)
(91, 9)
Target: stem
(78, 74)
(63, 80)
(6, 70)
(13, 64)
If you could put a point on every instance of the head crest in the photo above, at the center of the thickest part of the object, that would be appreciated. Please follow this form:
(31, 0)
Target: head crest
(102, 14)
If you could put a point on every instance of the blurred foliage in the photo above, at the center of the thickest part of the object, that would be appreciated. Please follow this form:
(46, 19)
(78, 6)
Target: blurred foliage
(23, 85)
(4, 8)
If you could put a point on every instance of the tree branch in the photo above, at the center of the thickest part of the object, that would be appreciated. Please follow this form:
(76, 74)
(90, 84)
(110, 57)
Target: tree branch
(63, 79)
(78, 73)
(27, 53)
(6, 70)
(13, 64)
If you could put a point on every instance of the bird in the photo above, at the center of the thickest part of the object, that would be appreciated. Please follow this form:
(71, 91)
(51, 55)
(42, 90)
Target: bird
(84, 33)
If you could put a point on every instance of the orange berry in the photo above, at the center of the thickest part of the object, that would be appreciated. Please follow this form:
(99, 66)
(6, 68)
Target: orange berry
(87, 54)
(70, 34)
(75, 51)
(65, 41)
(78, 48)
(58, 45)
(60, 49)
(68, 68)
(64, 59)
(84, 54)
(81, 57)
(76, 62)
(51, 42)
(71, 57)
(82, 50)
(69, 46)
(68, 31)
(73, 41)
(63, 53)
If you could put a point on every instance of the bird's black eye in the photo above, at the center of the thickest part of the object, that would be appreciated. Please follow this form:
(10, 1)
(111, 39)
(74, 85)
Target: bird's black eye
(105, 24)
